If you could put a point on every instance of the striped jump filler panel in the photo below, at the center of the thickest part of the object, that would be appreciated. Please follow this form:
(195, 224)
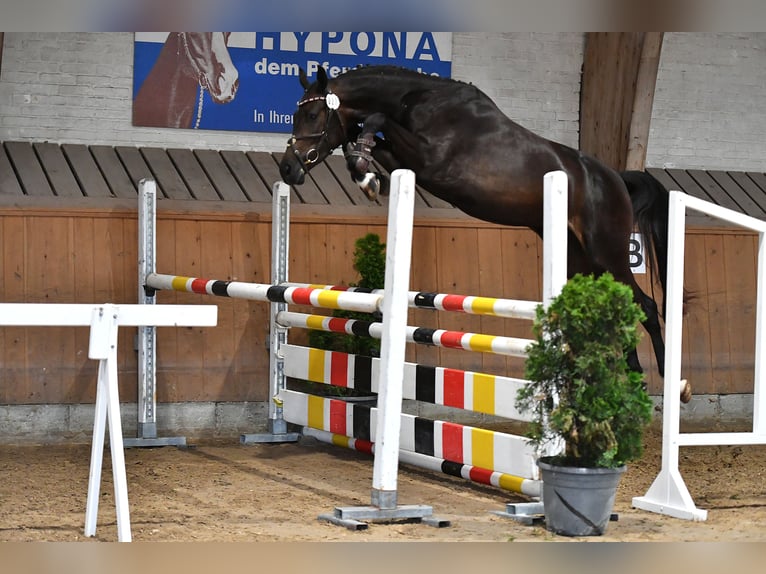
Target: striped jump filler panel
(476, 454)
(480, 392)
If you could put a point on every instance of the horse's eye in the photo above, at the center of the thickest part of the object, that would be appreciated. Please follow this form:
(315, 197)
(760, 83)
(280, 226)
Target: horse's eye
(312, 116)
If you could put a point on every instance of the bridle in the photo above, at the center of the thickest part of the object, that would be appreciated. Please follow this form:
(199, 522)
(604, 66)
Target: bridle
(200, 78)
(332, 101)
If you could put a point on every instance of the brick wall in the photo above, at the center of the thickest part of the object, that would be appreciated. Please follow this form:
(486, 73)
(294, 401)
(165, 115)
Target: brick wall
(76, 88)
(710, 102)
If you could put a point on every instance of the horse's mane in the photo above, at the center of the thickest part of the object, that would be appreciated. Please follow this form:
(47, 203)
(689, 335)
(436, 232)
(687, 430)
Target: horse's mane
(400, 71)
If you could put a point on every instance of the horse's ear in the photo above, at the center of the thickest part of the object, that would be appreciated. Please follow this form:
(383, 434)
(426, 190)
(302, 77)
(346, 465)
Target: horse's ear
(304, 80)
(321, 79)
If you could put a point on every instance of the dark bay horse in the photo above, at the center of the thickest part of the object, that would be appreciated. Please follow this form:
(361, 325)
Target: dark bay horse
(466, 151)
(189, 64)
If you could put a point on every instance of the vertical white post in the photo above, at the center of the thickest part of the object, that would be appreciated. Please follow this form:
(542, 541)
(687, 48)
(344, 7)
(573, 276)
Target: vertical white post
(668, 493)
(395, 309)
(147, 342)
(96, 453)
(280, 247)
(103, 347)
(759, 382)
(555, 232)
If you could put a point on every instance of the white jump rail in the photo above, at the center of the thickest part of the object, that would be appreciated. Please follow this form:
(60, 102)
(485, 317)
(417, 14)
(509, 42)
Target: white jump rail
(104, 321)
(668, 493)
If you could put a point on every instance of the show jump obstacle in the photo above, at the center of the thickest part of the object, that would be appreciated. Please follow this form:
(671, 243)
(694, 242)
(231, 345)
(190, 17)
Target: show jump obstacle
(668, 493)
(494, 458)
(104, 321)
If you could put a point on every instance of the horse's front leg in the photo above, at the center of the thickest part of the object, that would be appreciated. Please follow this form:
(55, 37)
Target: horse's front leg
(359, 156)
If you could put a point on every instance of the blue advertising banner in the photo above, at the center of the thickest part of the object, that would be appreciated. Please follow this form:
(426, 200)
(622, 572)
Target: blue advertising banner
(248, 81)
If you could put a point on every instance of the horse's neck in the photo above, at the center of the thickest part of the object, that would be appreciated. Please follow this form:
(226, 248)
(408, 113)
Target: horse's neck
(375, 95)
(173, 92)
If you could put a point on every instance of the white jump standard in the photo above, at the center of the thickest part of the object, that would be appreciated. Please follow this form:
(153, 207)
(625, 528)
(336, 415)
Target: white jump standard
(668, 493)
(104, 321)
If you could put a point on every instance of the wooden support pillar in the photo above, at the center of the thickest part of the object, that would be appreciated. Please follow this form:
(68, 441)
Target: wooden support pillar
(618, 81)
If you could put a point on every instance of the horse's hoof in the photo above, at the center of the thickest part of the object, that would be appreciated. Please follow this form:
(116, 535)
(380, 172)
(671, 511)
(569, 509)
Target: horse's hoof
(686, 391)
(370, 186)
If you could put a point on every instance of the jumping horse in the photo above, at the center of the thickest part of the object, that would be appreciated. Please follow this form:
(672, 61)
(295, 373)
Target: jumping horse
(466, 151)
(189, 64)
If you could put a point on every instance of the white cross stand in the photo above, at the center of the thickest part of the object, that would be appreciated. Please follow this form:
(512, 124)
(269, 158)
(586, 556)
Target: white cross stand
(104, 321)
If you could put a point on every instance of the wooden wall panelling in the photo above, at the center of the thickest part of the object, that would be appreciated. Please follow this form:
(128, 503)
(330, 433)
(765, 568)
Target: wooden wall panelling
(337, 165)
(114, 172)
(85, 261)
(253, 186)
(16, 362)
(194, 176)
(521, 264)
(423, 277)
(165, 174)
(697, 361)
(27, 166)
(50, 280)
(57, 169)
(332, 190)
(220, 175)
(86, 170)
(713, 190)
(169, 379)
(747, 204)
(251, 262)
(268, 170)
(218, 342)
(755, 193)
(717, 308)
(127, 292)
(9, 184)
(190, 364)
(137, 168)
(491, 284)
(308, 191)
(457, 262)
(740, 254)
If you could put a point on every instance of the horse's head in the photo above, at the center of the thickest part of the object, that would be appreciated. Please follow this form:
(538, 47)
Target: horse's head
(319, 126)
(210, 63)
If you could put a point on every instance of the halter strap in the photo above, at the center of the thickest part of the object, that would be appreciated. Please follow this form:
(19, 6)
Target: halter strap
(333, 105)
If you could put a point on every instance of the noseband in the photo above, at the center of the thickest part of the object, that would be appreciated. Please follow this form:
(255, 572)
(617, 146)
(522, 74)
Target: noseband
(332, 101)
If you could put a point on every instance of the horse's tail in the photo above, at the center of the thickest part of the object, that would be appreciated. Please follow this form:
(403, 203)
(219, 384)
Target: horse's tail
(650, 212)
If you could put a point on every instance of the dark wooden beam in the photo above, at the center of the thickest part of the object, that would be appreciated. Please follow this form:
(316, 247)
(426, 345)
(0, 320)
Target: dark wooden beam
(618, 79)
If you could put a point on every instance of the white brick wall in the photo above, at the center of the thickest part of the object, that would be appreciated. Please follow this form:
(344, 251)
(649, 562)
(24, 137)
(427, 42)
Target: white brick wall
(710, 103)
(533, 77)
(709, 107)
(76, 88)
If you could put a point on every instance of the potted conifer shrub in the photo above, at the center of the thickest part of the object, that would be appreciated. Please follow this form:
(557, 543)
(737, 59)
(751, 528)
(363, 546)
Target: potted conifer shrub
(584, 396)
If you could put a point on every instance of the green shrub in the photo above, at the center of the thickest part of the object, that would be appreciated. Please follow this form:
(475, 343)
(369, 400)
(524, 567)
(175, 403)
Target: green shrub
(579, 356)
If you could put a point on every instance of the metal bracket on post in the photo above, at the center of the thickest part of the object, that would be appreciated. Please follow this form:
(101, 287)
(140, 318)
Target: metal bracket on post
(146, 429)
(280, 243)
